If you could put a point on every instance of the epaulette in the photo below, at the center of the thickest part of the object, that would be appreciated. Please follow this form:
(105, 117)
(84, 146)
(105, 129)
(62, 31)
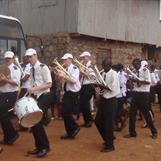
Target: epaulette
(15, 67)
(74, 67)
(144, 69)
(42, 65)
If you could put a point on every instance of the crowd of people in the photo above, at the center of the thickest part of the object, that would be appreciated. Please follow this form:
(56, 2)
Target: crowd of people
(115, 87)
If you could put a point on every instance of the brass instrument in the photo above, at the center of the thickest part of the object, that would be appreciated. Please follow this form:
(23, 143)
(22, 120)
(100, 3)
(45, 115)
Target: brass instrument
(59, 69)
(131, 74)
(97, 79)
(80, 65)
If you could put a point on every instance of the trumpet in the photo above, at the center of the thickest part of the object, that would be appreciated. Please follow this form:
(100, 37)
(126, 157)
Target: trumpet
(59, 68)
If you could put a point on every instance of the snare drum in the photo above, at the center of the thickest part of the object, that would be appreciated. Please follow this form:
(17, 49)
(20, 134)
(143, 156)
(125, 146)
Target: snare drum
(28, 111)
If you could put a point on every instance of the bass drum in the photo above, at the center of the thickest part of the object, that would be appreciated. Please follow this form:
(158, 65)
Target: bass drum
(28, 111)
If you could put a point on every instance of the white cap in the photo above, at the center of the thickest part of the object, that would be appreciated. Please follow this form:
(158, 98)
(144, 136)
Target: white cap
(9, 54)
(144, 63)
(85, 53)
(67, 55)
(30, 52)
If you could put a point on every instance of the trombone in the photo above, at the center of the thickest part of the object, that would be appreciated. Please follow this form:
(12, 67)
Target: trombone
(59, 68)
(83, 69)
(97, 79)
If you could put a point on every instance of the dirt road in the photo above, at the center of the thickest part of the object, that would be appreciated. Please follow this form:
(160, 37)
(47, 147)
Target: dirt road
(86, 146)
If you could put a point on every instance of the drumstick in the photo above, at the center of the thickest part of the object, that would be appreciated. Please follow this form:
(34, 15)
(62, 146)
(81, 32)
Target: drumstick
(12, 109)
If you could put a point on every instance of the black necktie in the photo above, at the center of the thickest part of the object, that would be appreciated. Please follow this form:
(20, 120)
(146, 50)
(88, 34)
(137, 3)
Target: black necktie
(138, 83)
(33, 73)
(104, 77)
(83, 77)
(65, 83)
(65, 86)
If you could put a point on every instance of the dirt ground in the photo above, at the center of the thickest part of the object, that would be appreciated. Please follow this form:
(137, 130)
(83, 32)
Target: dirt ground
(86, 146)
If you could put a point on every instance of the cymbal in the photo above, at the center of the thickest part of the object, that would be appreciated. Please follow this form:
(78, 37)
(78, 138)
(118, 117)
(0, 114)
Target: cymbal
(4, 70)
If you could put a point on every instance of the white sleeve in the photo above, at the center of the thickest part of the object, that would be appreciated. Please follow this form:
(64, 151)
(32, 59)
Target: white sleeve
(46, 74)
(27, 69)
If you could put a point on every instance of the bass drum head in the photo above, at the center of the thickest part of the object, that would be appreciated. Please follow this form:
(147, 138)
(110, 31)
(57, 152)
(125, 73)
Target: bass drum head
(31, 119)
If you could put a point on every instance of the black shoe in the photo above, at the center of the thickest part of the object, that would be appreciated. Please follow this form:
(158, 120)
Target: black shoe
(11, 141)
(154, 136)
(65, 136)
(33, 152)
(117, 129)
(22, 129)
(87, 125)
(42, 153)
(107, 149)
(75, 132)
(3, 142)
(129, 136)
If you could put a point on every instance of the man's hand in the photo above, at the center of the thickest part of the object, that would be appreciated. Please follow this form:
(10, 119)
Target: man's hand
(31, 90)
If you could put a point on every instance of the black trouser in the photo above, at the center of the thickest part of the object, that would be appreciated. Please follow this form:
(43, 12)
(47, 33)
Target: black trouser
(140, 101)
(120, 109)
(69, 103)
(105, 119)
(158, 89)
(22, 93)
(7, 101)
(41, 139)
(86, 93)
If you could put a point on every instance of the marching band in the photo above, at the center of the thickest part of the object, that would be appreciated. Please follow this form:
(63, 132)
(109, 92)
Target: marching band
(80, 81)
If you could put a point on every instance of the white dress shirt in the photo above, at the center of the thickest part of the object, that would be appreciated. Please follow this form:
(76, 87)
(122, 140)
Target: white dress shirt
(40, 76)
(154, 78)
(15, 76)
(122, 81)
(112, 82)
(144, 75)
(74, 74)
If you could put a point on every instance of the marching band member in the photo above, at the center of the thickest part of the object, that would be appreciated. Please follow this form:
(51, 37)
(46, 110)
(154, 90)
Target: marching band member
(25, 79)
(140, 99)
(70, 98)
(120, 122)
(87, 90)
(8, 95)
(105, 115)
(41, 82)
(154, 82)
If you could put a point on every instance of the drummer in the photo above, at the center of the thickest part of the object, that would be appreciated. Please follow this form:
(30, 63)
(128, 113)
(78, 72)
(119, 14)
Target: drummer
(8, 95)
(41, 82)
